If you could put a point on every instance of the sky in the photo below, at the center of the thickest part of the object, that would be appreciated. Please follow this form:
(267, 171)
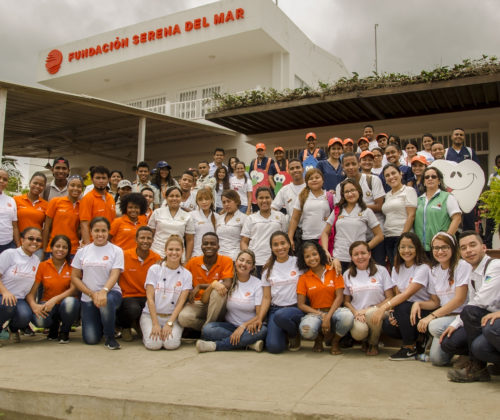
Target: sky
(412, 35)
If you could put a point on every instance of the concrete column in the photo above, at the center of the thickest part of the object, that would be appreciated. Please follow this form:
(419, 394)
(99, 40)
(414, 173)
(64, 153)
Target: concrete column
(141, 140)
(280, 78)
(493, 141)
(3, 110)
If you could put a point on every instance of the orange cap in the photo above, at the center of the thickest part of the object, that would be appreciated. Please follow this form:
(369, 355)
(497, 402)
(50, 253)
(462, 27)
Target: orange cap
(366, 153)
(334, 140)
(278, 148)
(348, 140)
(260, 146)
(363, 139)
(311, 134)
(420, 159)
(382, 135)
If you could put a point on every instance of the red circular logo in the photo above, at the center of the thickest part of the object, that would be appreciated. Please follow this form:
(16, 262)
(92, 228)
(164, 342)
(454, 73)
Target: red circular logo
(53, 61)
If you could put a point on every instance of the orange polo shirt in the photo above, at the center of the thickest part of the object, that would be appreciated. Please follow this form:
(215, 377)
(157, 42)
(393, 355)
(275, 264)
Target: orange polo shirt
(65, 220)
(321, 294)
(134, 273)
(30, 214)
(222, 269)
(123, 231)
(94, 204)
(54, 283)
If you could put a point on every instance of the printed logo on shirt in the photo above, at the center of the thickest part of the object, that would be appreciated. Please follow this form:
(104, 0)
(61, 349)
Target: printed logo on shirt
(360, 214)
(238, 219)
(373, 280)
(182, 217)
(178, 284)
(411, 279)
(331, 281)
(368, 194)
(247, 294)
(105, 258)
(293, 273)
(340, 217)
(33, 268)
(436, 206)
(277, 218)
(488, 279)
(9, 205)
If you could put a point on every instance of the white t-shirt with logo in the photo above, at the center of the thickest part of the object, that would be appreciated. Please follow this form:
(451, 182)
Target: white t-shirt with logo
(394, 209)
(230, 233)
(286, 198)
(415, 274)
(168, 285)
(188, 205)
(283, 282)
(367, 290)
(439, 284)
(242, 186)
(314, 214)
(202, 225)
(242, 301)
(96, 263)
(18, 271)
(8, 214)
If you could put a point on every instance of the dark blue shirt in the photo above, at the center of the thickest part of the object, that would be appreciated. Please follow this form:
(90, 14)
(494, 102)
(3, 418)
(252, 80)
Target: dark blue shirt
(262, 165)
(407, 174)
(332, 176)
(465, 153)
(321, 155)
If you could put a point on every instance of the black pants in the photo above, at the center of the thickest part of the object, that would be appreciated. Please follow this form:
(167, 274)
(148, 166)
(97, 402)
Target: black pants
(483, 342)
(404, 330)
(456, 344)
(130, 311)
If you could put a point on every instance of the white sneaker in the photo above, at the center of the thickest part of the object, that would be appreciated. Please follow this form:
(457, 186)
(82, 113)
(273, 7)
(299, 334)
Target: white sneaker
(258, 346)
(205, 346)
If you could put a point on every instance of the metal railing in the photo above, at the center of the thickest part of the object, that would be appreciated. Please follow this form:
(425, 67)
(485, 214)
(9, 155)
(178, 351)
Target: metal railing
(188, 110)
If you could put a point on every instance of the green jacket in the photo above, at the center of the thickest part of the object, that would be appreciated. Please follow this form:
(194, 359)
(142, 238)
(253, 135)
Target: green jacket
(431, 219)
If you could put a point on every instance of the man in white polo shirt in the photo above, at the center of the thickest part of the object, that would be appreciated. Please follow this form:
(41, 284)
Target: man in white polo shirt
(288, 194)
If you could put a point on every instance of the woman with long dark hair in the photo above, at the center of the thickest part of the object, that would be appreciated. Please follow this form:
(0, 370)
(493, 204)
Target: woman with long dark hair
(222, 177)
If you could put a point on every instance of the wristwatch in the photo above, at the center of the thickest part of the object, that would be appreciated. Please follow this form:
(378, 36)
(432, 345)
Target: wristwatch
(170, 323)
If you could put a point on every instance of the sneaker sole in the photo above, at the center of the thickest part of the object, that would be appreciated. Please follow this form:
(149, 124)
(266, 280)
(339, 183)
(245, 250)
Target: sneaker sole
(461, 380)
(402, 360)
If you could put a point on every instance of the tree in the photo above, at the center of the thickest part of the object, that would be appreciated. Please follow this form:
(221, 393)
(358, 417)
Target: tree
(15, 177)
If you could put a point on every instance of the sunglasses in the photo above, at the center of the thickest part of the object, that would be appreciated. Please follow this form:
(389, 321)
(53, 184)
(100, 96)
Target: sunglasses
(431, 177)
(32, 238)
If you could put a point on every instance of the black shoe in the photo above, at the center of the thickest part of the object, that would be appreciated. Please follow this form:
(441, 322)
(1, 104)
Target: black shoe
(403, 353)
(111, 343)
(64, 338)
(421, 344)
(346, 341)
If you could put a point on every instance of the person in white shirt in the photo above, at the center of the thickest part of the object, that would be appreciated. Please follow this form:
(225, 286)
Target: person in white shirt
(367, 286)
(167, 287)
(311, 208)
(222, 178)
(474, 334)
(218, 161)
(188, 198)
(96, 269)
(410, 275)
(17, 275)
(9, 231)
(259, 226)
(399, 209)
(229, 224)
(285, 199)
(243, 328)
(242, 184)
(169, 220)
(427, 142)
(204, 179)
(203, 218)
(279, 282)
(448, 287)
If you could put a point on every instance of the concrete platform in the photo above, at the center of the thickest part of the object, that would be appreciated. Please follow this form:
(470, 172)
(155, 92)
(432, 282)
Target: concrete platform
(41, 379)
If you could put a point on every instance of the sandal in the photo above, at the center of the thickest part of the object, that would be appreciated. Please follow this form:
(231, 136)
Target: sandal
(318, 344)
(372, 350)
(335, 350)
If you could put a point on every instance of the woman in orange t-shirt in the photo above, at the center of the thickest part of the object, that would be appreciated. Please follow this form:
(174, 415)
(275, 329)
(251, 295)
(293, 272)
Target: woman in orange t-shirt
(123, 229)
(58, 307)
(324, 288)
(63, 216)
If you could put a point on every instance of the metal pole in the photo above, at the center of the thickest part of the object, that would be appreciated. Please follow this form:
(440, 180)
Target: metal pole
(141, 140)
(3, 110)
(376, 55)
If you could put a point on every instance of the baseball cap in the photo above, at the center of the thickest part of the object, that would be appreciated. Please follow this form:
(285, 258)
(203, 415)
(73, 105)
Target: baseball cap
(363, 139)
(365, 153)
(278, 148)
(420, 159)
(163, 164)
(348, 140)
(311, 134)
(382, 135)
(334, 140)
(260, 146)
(124, 183)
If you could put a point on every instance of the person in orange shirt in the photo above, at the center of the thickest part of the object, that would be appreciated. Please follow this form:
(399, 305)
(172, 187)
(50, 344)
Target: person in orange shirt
(137, 261)
(31, 207)
(324, 289)
(123, 230)
(209, 269)
(96, 203)
(63, 216)
(58, 308)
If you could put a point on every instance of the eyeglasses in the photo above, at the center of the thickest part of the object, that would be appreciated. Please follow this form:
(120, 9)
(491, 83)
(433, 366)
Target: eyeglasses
(441, 248)
(430, 177)
(32, 238)
(350, 191)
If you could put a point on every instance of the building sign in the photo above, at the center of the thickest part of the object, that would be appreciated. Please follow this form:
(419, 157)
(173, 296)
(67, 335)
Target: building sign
(55, 57)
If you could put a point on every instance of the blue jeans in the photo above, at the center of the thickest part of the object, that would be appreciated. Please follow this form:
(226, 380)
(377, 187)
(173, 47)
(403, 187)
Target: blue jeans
(64, 313)
(436, 328)
(97, 322)
(19, 315)
(10, 245)
(282, 322)
(390, 246)
(243, 209)
(220, 332)
(486, 347)
(456, 344)
(341, 324)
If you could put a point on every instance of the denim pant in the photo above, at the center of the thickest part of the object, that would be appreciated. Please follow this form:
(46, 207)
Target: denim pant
(483, 342)
(436, 327)
(19, 315)
(282, 322)
(97, 322)
(341, 323)
(130, 310)
(220, 332)
(9, 245)
(390, 245)
(64, 313)
(456, 343)
(404, 330)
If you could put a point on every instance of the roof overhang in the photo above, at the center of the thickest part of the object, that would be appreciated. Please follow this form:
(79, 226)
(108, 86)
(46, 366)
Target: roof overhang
(471, 93)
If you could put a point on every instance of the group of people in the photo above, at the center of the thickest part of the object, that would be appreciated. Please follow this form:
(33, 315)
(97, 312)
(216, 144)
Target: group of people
(347, 243)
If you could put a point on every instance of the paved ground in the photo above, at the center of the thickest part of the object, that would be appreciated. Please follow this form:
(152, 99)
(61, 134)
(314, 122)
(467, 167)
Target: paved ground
(77, 381)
